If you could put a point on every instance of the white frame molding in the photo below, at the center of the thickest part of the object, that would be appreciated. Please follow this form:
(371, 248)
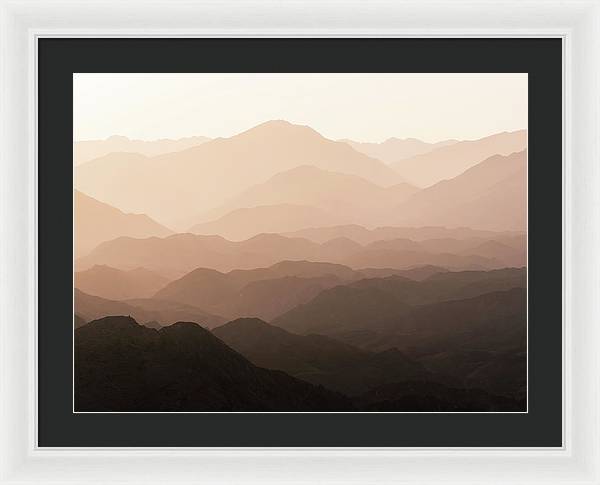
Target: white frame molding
(576, 21)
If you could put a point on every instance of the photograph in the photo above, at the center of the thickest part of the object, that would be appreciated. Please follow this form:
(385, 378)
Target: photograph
(300, 242)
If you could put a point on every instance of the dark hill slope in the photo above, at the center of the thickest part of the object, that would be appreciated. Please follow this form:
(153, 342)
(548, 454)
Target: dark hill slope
(375, 303)
(123, 366)
(319, 359)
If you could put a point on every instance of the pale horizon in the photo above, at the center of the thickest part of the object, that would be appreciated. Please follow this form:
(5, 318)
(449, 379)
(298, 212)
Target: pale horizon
(118, 135)
(388, 105)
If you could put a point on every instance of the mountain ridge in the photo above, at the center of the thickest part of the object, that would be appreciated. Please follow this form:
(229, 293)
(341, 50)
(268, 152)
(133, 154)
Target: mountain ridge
(207, 174)
(328, 191)
(145, 310)
(97, 222)
(489, 195)
(394, 149)
(116, 284)
(449, 161)
(159, 377)
(87, 150)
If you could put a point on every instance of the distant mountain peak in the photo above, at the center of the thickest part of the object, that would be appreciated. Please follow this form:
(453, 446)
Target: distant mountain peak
(97, 222)
(276, 123)
(394, 139)
(117, 138)
(247, 323)
(203, 272)
(181, 367)
(102, 267)
(267, 237)
(185, 327)
(281, 127)
(115, 322)
(448, 161)
(205, 175)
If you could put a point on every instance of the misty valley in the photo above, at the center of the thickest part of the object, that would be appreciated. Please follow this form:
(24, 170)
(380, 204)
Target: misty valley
(278, 270)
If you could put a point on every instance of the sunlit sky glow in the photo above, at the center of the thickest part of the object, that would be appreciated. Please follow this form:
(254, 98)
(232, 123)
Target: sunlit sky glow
(363, 107)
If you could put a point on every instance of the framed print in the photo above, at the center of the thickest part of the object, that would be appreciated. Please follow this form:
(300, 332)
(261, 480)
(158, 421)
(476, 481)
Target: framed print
(267, 276)
(342, 255)
(301, 265)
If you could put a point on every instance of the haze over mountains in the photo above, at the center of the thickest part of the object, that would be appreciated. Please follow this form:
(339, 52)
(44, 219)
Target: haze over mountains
(245, 223)
(116, 284)
(333, 196)
(304, 274)
(376, 303)
(395, 149)
(181, 253)
(366, 236)
(490, 195)
(263, 292)
(348, 369)
(96, 222)
(318, 359)
(147, 311)
(449, 161)
(204, 176)
(90, 149)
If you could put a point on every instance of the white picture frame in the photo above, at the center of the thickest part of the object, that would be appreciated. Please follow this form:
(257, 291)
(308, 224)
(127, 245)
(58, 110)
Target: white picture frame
(22, 22)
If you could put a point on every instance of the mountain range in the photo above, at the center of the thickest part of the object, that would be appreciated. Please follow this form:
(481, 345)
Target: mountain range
(176, 255)
(206, 175)
(354, 371)
(319, 359)
(262, 292)
(96, 222)
(183, 367)
(159, 376)
(90, 149)
(116, 284)
(331, 196)
(148, 311)
(477, 336)
(304, 274)
(449, 161)
(244, 223)
(364, 236)
(380, 304)
(459, 329)
(490, 195)
(321, 183)
(395, 149)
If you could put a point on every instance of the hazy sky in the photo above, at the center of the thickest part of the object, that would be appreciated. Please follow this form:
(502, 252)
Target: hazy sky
(363, 107)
